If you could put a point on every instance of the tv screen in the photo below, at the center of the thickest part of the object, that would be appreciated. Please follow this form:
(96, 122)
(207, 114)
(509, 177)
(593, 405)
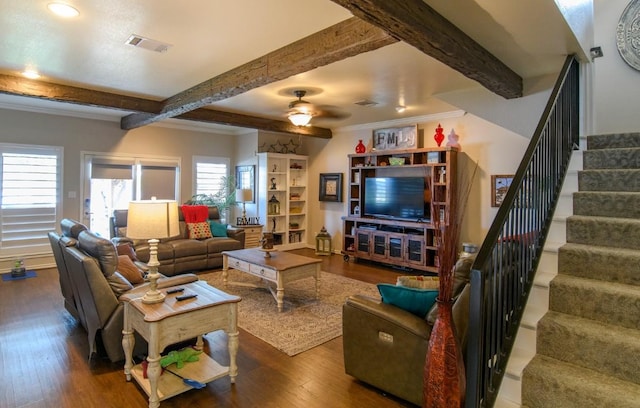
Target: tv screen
(394, 197)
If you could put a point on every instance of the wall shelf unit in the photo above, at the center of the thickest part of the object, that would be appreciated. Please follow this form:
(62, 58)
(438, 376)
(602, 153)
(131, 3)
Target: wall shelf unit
(283, 178)
(397, 242)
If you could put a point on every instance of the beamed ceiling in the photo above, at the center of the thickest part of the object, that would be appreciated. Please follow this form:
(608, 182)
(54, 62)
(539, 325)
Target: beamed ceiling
(235, 64)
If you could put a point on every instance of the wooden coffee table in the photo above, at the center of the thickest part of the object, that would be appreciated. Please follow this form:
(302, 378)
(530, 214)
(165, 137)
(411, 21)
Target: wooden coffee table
(279, 268)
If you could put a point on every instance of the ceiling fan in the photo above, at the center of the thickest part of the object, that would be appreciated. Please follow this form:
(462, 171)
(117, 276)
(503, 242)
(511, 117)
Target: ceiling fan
(301, 112)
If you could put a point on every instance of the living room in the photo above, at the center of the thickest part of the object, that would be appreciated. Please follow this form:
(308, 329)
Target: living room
(495, 147)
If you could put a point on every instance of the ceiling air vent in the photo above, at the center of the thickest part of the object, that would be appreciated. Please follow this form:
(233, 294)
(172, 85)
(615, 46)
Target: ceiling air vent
(147, 43)
(366, 103)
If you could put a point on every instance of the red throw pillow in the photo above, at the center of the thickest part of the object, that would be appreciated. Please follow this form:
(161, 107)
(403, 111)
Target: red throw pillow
(127, 249)
(129, 270)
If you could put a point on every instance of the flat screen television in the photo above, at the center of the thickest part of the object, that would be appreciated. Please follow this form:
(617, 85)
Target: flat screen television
(400, 198)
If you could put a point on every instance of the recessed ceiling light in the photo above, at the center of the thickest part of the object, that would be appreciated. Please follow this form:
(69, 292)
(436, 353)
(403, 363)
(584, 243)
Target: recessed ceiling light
(400, 108)
(63, 10)
(30, 73)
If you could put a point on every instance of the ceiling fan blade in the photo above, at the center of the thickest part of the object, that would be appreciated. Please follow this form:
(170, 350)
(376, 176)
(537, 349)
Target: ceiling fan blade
(331, 112)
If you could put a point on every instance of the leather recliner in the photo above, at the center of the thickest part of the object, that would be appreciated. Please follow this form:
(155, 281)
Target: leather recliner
(386, 346)
(90, 262)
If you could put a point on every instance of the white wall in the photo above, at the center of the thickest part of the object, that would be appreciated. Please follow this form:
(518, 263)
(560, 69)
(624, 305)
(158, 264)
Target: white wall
(616, 84)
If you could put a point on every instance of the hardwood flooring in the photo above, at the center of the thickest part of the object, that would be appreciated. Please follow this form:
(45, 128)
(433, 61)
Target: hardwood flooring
(44, 359)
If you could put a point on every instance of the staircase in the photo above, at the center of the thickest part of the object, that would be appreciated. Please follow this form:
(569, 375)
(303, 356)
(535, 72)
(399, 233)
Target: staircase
(588, 343)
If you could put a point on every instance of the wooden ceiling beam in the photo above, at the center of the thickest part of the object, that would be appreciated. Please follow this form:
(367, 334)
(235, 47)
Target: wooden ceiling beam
(345, 39)
(18, 86)
(419, 25)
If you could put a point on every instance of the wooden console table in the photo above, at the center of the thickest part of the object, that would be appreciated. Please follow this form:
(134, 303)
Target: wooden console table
(172, 321)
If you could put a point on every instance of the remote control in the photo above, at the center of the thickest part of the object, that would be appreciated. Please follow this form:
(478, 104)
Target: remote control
(176, 290)
(185, 297)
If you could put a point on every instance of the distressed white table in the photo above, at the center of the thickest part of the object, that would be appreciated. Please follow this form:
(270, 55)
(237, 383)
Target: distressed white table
(172, 321)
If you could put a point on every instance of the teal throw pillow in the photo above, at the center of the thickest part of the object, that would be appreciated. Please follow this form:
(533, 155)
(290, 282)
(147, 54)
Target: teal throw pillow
(218, 229)
(413, 300)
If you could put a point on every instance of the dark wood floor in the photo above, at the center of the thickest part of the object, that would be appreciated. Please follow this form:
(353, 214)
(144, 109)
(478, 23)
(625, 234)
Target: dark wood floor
(44, 359)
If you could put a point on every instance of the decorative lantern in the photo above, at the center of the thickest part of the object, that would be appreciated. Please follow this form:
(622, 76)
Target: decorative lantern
(323, 242)
(274, 206)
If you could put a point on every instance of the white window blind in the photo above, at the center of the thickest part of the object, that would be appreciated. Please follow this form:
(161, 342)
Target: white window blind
(210, 174)
(30, 202)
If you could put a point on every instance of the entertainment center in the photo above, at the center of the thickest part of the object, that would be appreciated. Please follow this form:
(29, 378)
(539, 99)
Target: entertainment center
(390, 198)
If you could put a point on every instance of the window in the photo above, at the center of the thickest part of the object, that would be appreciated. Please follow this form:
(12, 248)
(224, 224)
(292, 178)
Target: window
(31, 196)
(211, 177)
(114, 180)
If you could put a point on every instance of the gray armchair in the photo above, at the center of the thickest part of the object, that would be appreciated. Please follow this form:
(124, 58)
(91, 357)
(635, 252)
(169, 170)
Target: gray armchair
(386, 346)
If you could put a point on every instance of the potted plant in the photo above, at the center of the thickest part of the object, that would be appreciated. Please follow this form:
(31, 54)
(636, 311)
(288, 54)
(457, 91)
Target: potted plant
(223, 199)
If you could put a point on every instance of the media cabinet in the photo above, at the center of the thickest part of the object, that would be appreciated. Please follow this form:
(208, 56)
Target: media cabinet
(397, 242)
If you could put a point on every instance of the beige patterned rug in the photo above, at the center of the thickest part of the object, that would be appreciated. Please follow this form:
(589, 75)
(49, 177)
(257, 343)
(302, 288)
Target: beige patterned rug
(305, 322)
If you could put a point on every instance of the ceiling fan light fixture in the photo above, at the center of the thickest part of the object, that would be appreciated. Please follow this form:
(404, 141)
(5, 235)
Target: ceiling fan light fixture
(63, 10)
(300, 118)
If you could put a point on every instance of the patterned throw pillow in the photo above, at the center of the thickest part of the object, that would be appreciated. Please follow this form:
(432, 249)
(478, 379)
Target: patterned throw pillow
(199, 230)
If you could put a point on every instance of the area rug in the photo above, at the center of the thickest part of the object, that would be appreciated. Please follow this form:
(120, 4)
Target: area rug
(305, 322)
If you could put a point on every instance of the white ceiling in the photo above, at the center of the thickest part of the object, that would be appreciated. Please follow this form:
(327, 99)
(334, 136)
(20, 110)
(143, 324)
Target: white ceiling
(210, 37)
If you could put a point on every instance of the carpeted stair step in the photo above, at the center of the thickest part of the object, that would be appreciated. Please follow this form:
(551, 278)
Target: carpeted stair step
(606, 348)
(551, 383)
(607, 204)
(608, 302)
(609, 180)
(628, 158)
(604, 231)
(613, 140)
(603, 263)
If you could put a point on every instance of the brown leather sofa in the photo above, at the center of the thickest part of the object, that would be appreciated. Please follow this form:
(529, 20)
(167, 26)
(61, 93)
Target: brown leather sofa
(93, 292)
(386, 346)
(180, 254)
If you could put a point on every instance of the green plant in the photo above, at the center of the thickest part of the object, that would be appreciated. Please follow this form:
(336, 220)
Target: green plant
(223, 199)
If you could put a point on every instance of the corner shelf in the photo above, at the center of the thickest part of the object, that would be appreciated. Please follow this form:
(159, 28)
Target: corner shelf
(289, 172)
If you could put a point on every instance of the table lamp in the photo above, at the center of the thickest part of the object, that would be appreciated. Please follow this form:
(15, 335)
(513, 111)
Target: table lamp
(244, 195)
(152, 220)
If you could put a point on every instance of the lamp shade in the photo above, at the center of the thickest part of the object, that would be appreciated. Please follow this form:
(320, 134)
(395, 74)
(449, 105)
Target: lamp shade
(244, 195)
(300, 118)
(152, 219)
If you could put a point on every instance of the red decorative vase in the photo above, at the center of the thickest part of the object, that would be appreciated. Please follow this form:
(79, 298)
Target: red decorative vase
(444, 375)
(360, 147)
(439, 136)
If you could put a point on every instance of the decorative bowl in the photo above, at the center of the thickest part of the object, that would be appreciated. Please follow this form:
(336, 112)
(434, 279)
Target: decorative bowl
(396, 161)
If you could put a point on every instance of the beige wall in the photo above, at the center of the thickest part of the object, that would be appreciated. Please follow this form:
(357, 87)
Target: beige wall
(497, 151)
(78, 135)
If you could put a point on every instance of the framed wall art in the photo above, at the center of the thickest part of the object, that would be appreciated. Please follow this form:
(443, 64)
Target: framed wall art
(331, 187)
(245, 179)
(499, 185)
(396, 138)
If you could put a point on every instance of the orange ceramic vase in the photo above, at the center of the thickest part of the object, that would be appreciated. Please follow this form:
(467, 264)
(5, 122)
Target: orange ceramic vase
(444, 375)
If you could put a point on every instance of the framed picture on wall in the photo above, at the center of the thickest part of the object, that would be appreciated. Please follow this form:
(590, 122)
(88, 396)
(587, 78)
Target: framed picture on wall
(500, 183)
(245, 179)
(331, 187)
